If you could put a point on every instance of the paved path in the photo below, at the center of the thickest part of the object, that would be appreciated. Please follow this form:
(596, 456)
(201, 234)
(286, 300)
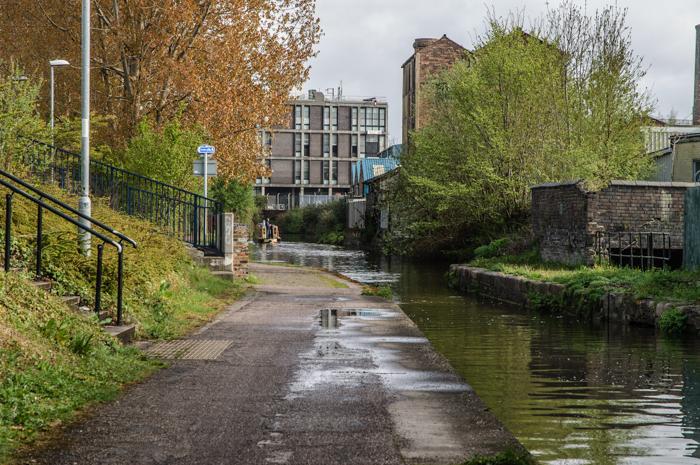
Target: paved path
(365, 389)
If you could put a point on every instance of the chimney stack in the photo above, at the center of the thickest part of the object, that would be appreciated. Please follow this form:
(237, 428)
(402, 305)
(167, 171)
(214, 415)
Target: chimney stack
(696, 87)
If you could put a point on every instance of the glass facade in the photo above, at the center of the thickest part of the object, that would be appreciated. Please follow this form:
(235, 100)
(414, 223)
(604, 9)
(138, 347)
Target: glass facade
(326, 145)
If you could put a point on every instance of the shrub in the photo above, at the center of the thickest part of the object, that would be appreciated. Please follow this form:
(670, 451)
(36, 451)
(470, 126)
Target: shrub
(493, 249)
(673, 321)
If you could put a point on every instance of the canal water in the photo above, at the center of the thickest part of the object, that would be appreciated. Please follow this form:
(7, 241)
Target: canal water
(571, 392)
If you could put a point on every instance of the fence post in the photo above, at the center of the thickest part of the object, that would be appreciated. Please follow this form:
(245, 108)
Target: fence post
(195, 223)
(8, 230)
(98, 280)
(39, 238)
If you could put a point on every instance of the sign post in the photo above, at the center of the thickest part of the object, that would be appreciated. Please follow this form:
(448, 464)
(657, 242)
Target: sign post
(205, 150)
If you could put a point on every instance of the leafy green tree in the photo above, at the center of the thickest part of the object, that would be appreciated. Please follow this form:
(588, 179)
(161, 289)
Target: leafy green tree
(19, 114)
(560, 102)
(165, 154)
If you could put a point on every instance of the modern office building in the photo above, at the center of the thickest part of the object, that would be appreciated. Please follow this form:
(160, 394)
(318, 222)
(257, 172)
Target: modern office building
(312, 158)
(430, 56)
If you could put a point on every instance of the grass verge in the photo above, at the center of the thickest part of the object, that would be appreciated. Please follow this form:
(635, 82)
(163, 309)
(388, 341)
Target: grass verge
(54, 361)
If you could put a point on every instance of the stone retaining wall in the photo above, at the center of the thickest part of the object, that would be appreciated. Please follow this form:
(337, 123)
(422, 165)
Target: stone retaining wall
(524, 292)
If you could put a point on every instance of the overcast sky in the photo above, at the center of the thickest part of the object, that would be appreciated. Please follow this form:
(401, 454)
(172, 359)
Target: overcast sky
(366, 41)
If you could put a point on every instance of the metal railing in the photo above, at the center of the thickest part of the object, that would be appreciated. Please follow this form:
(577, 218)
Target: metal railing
(645, 250)
(47, 202)
(186, 215)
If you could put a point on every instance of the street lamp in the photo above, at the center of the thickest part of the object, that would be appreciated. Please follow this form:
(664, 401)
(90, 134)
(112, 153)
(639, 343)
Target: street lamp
(84, 203)
(54, 64)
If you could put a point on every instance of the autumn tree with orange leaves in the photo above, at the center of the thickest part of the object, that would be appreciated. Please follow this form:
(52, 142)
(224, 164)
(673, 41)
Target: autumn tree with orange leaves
(226, 65)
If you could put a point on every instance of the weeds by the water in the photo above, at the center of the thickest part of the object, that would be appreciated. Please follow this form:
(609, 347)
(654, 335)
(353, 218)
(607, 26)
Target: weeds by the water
(667, 285)
(504, 458)
(378, 291)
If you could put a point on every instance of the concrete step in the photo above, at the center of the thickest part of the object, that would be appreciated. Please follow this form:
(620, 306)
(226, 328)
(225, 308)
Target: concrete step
(124, 333)
(73, 301)
(43, 285)
(225, 274)
(89, 312)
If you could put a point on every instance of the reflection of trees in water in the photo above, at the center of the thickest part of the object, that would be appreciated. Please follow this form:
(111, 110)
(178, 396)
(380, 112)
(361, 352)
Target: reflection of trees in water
(627, 373)
(690, 403)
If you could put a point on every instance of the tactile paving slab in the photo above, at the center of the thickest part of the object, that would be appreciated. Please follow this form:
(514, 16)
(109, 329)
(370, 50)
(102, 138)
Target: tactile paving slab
(190, 349)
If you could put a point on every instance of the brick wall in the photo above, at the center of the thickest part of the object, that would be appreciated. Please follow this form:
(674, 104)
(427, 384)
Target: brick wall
(641, 206)
(559, 222)
(436, 57)
(240, 250)
(566, 217)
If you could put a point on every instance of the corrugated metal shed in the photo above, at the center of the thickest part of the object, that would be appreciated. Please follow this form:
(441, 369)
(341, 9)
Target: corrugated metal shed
(369, 168)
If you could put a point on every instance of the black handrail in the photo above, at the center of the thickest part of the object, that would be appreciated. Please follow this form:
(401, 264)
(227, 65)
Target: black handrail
(44, 205)
(65, 206)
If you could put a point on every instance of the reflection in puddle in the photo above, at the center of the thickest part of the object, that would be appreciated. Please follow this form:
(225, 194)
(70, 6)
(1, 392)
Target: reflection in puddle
(329, 316)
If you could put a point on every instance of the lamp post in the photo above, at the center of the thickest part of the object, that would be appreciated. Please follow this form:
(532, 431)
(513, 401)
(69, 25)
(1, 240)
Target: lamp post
(84, 204)
(54, 64)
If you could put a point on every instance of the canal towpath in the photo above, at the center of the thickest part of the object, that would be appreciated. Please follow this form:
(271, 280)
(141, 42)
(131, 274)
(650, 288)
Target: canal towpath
(303, 370)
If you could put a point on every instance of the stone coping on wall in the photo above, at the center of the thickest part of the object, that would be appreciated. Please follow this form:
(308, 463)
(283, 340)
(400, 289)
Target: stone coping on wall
(612, 306)
(683, 185)
(556, 184)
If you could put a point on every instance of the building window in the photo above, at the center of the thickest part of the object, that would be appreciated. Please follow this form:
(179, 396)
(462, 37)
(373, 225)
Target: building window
(372, 145)
(353, 118)
(334, 118)
(326, 145)
(334, 145)
(297, 117)
(326, 173)
(382, 143)
(334, 179)
(696, 170)
(307, 146)
(306, 172)
(362, 145)
(326, 118)
(375, 120)
(353, 145)
(307, 117)
(297, 172)
(363, 125)
(297, 145)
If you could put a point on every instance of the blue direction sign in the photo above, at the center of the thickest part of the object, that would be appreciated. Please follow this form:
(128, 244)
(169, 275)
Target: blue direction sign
(206, 149)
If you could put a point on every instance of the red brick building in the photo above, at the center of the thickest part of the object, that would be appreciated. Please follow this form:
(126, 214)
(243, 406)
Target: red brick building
(430, 56)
